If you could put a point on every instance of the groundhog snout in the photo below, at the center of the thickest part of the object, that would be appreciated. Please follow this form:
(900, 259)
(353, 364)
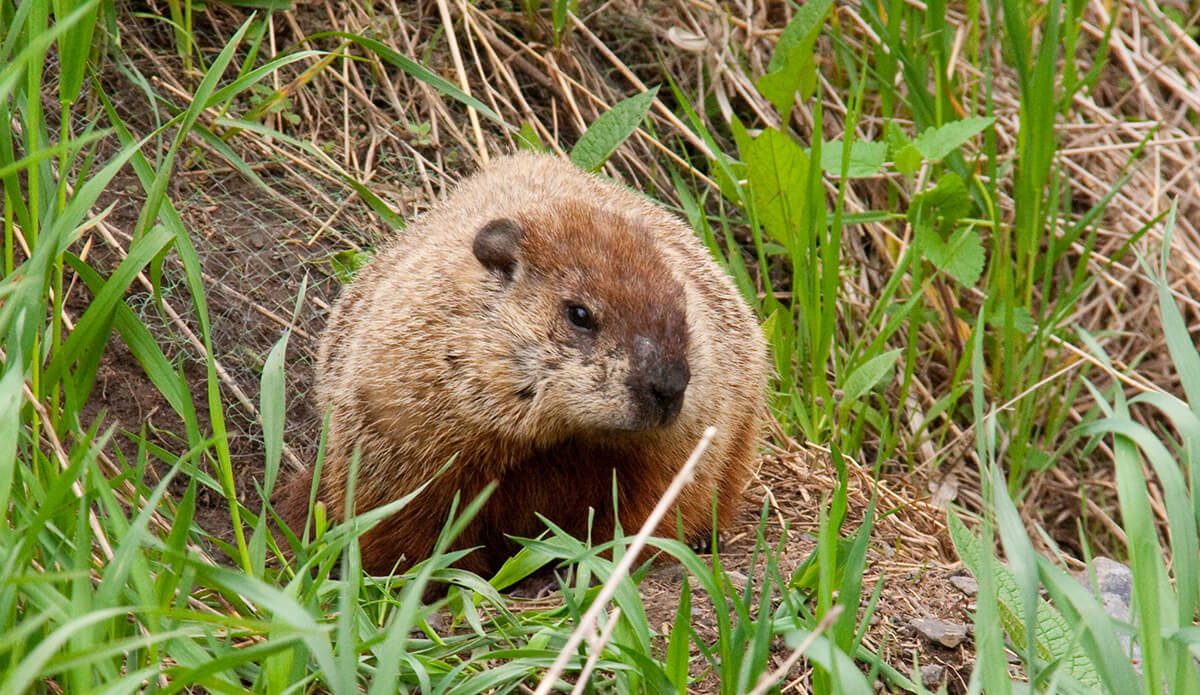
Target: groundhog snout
(657, 381)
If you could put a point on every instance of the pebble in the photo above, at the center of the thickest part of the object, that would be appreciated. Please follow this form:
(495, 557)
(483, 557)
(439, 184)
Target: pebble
(1116, 586)
(945, 633)
(965, 584)
(1116, 595)
(932, 675)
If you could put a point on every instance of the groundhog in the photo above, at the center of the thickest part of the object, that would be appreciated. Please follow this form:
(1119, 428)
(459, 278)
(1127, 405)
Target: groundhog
(549, 331)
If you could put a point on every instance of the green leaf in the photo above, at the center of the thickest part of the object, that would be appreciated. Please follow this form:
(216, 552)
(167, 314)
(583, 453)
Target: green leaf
(936, 143)
(528, 138)
(272, 405)
(74, 48)
(792, 66)
(895, 137)
(558, 16)
(846, 676)
(346, 264)
(654, 680)
(866, 158)
(868, 375)
(1179, 343)
(87, 341)
(35, 49)
(1022, 319)
(611, 129)
(908, 160)
(141, 343)
(934, 215)
(30, 669)
(269, 5)
(1104, 659)
(961, 257)
(1054, 638)
(729, 173)
(416, 71)
(777, 169)
(11, 402)
(946, 203)
(677, 648)
(805, 25)
(519, 566)
(373, 201)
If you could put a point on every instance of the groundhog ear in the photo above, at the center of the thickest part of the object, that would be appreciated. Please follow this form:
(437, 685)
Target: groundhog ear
(498, 246)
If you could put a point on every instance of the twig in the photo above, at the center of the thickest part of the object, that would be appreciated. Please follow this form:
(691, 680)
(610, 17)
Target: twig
(588, 621)
(596, 644)
(777, 675)
(448, 25)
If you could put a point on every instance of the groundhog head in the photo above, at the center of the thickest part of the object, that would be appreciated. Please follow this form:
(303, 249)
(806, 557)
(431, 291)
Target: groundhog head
(589, 325)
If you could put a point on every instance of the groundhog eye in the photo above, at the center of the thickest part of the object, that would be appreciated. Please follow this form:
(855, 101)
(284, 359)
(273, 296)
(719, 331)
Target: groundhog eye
(580, 317)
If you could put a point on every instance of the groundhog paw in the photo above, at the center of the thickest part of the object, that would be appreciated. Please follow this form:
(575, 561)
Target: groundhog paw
(703, 544)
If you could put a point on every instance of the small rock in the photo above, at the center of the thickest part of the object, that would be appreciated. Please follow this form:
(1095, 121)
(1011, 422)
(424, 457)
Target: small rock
(1116, 594)
(1116, 584)
(434, 621)
(965, 584)
(945, 633)
(668, 573)
(932, 675)
(438, 622)
(257, 239)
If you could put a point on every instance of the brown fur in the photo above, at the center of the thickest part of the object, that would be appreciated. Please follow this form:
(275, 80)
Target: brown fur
(429, 355)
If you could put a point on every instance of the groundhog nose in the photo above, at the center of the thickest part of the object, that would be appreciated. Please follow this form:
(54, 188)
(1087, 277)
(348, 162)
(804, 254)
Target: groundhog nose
(667, 386)
(657, 381)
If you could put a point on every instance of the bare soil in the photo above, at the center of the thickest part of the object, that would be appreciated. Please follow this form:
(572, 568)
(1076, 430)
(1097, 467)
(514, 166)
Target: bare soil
(255, 260)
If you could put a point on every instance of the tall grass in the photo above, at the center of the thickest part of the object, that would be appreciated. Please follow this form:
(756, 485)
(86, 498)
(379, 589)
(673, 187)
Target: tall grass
(938, 136)
(1071, 643)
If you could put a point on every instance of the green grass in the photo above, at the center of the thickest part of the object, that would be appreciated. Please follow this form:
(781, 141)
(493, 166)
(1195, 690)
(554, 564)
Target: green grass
(105, 583)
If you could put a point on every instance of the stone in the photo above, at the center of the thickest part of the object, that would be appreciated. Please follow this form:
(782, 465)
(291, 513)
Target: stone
(943, 632)
(965, 584)
(932, 675)
(1115, 583)
(1116, 586)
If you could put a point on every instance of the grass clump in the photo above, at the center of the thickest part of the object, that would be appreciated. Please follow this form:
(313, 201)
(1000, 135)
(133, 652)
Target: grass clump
(1072, 643)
